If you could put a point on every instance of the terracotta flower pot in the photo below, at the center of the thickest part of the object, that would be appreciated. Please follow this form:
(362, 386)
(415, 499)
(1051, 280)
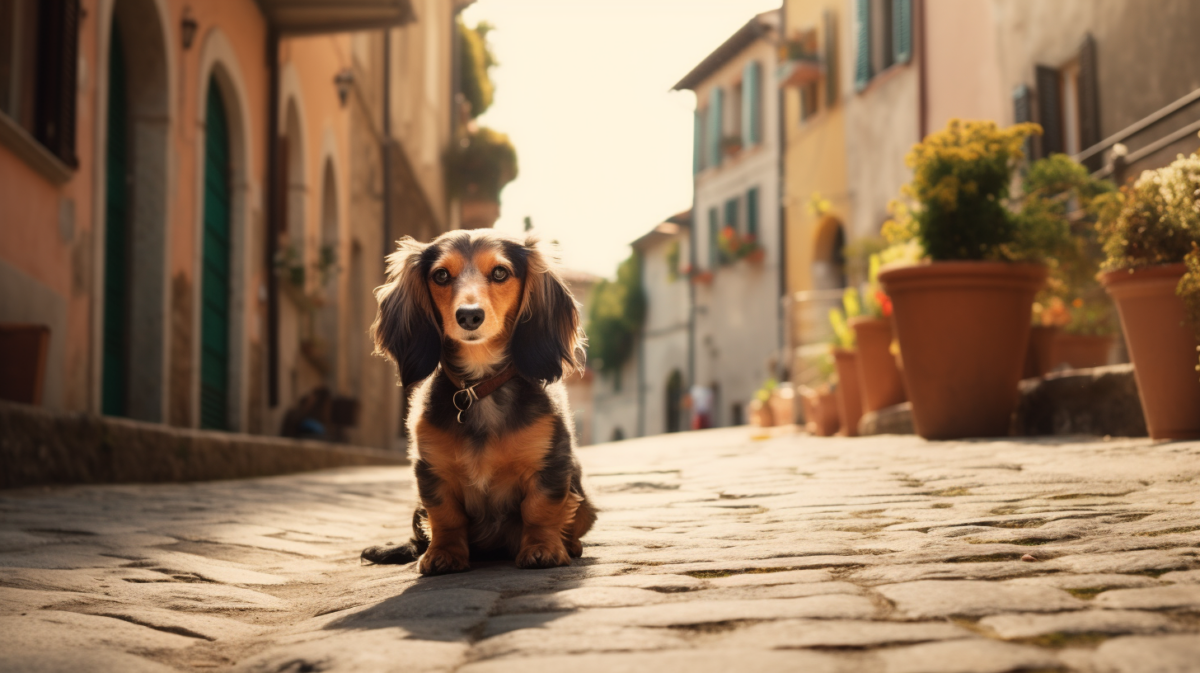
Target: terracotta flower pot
(820, 411)
(1162, 347)
(760, 414)
(963, 329)
(1081, 351)
(783, 404)
(849, 396)
(879, 378)
(1040, 357)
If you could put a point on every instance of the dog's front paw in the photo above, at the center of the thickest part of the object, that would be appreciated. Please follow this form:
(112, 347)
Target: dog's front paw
(574, 548)
(439, 562)
(543, 556)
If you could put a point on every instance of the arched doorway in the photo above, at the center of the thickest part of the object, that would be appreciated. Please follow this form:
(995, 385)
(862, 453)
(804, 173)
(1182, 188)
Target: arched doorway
(216, 266)
(132, 344)
(674, 401)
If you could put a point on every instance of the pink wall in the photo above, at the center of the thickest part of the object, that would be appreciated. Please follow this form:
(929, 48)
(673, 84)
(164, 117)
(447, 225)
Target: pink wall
(962, 63)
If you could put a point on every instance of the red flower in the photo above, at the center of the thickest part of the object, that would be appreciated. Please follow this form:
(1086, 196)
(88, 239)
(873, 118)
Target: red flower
(885, 302)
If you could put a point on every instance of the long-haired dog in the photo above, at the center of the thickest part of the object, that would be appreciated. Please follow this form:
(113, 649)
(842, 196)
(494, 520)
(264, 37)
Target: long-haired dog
(488, 329)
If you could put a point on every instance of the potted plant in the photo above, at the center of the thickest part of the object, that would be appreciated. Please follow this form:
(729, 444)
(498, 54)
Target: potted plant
(820, 410)
(1087, 340)
(477, 169)
(845, 358)
(732, 246)
(761, 413)
(731, 145)
(962, 316)
(879, 378)
(1151, 236)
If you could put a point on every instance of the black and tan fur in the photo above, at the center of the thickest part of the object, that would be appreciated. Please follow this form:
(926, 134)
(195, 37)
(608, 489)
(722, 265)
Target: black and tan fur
(503, 483)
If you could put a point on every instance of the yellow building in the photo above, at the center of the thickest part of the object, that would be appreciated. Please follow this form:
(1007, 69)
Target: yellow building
(816, 192)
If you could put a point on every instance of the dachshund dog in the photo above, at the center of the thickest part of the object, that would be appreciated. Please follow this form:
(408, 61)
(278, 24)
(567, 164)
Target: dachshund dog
(488, 329)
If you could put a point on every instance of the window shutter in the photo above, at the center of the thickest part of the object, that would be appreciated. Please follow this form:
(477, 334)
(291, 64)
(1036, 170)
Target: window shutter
(752, 212)
(58, 58)
(714, 230)
(731, 213)
(752, 103)
(1049, 107)
(862, 47)
(831, 71)
(1023, 112)
(902, 31)
(1089, 99)
(716, 126)
(697, 141)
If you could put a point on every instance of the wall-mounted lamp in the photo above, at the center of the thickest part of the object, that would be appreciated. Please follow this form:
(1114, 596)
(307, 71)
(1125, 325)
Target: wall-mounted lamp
(187, 28)
(344, 80)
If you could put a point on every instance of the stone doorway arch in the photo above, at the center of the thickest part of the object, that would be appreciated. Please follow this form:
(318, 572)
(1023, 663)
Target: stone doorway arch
(132, 302)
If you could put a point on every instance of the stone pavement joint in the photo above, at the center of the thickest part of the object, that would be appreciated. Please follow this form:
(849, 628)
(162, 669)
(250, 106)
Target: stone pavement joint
(721, 550)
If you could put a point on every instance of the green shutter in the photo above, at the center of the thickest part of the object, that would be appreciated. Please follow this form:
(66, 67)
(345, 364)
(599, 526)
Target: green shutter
(714, 231)
(862, 47)
(752, 212)
(716, 126)
(752, 103)
(115, 360)
(731, 213)
(215, 267)
(697, 140)
(902, 31)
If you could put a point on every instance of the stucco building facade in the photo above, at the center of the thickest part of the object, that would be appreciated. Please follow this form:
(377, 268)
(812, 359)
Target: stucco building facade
(157, 207)
(737, 256)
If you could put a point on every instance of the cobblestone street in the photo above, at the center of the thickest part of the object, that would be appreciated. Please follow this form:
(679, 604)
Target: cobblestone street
(716, 551)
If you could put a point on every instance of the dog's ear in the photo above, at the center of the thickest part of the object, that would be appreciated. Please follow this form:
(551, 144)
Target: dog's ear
(547, 342)
(406, 329)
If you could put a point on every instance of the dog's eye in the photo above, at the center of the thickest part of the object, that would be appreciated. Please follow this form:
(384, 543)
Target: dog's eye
(499, 274)
(441, 276)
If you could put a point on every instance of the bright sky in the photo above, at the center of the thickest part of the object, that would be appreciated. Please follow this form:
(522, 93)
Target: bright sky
(583, 89)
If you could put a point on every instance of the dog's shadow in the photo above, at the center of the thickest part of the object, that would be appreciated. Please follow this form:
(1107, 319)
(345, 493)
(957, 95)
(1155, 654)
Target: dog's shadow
(465, 606)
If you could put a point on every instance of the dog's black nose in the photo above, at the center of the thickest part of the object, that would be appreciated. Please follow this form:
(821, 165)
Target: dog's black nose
(469, 318)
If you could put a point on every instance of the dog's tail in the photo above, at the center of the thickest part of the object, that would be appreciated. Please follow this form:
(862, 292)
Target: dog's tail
(389, 554)
(394, 555)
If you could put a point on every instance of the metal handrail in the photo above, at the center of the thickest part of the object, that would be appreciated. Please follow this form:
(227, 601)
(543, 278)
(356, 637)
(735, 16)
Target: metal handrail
(1153, 147)
(1138, 126)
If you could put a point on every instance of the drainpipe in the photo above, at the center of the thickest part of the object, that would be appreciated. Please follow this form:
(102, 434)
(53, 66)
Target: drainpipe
(387, 144)
(641, 355)
(274, 226)
(922, 73)
(784, 363)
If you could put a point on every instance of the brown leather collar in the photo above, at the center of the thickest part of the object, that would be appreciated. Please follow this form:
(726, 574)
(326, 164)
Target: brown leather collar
(466, 395)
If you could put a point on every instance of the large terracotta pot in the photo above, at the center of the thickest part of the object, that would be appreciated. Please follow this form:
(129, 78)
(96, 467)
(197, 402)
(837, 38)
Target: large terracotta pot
(783, 404)
(1162, 347)
(963, 329)
(849, 397)
(878, 376)
(1080, 351)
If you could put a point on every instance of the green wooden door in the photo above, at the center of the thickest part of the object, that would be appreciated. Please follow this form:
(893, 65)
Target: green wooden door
(215, 285)
(115, 359)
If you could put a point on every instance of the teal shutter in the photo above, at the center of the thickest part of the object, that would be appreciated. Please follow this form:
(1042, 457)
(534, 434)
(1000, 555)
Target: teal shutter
(752, 212)
(697, 141)
(862, 47)
(831, 59)
(714, 230)
(115, 360)
(716, 126)
(752, 103)
(215, 267)
(731, 214)
(902, 31)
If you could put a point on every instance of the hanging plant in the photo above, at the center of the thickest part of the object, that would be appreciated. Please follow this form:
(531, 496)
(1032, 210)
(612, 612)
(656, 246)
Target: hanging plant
(475, 63)
(480, 165)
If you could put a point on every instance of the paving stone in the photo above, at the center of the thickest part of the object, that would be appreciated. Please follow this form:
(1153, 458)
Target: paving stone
(576, 599)
(1152, 598)
(1145, 654)
(1186, 576)
(385, 649)
(967, 656)
(206, 627)
(772, 578)
(793, 633)
(1011, 626)
(1124, 562)
(556, 640)
(707, 661)
(922, 600)
(664, 583)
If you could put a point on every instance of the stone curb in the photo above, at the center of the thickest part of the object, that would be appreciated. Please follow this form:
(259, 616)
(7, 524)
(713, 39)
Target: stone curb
(40, 447)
